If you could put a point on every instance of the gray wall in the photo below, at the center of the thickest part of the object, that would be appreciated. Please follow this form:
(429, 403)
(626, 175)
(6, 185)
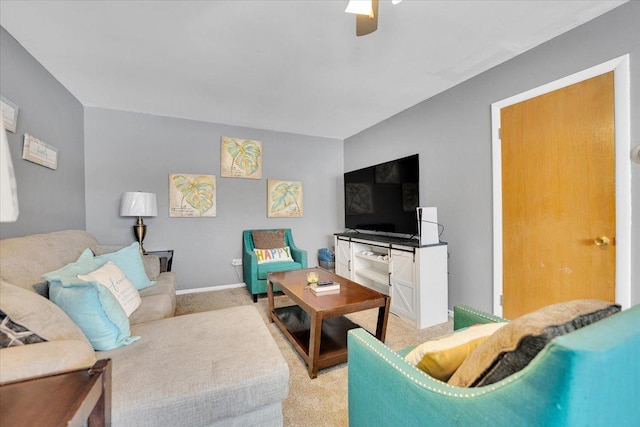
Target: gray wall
(452, 134)
(131, 151)
(49, 200)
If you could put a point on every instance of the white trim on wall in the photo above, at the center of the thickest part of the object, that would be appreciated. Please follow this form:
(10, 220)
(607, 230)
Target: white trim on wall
(210, 288)
(622, 90)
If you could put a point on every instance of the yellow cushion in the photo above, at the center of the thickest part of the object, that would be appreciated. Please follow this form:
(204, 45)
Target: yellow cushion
(441, 357)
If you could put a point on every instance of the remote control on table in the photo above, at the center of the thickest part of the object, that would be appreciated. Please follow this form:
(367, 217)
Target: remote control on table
(325, 282)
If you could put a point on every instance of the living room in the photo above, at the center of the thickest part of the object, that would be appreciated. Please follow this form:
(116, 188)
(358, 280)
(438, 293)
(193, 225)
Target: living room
(105, 152)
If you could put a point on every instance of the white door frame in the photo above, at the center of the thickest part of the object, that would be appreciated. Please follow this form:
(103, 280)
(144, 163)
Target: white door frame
(622, 103)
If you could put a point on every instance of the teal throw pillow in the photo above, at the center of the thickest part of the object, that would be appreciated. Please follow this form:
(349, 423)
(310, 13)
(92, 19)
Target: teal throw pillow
(83, 265)
(90, 305)
(129, 260)
(95, 310)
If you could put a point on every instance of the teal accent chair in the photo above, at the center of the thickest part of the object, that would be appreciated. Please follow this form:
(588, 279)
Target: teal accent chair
(255, 275)
(589, 377)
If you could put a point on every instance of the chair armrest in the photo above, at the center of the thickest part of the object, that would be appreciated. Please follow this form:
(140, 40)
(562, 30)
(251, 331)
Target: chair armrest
(249, 266)
(299, 255)
(385, 390)
(465, 316)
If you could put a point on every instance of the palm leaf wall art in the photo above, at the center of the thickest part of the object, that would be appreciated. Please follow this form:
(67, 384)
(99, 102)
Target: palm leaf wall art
(240, 158)
(284, 199)
(192, 195)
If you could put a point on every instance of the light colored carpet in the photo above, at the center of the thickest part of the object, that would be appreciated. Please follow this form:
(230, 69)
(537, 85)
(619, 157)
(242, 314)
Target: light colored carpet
(323, 400)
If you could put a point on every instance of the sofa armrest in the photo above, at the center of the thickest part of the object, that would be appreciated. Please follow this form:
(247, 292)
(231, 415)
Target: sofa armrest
(465, 316)
(151, 266)
(35, 360)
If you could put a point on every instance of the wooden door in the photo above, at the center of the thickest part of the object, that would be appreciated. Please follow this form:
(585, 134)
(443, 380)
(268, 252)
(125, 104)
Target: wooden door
(558, 197)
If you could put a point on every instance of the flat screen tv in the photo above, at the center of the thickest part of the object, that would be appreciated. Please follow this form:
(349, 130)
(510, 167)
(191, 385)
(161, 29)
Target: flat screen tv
(383, 197)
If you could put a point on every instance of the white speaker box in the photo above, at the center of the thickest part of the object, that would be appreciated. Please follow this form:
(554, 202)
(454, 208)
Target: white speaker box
(428, 225)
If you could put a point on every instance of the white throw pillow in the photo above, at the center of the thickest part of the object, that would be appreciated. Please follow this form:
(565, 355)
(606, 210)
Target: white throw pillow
(273, 255)
(113, 278)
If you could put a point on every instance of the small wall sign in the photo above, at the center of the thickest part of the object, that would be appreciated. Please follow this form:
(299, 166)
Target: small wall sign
(9, 114)
(37, 151)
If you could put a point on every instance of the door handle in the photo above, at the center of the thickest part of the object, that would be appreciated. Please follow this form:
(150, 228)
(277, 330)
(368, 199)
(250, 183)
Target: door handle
(602, 241)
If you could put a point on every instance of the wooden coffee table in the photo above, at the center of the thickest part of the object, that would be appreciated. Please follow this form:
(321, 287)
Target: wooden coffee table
(316, 325)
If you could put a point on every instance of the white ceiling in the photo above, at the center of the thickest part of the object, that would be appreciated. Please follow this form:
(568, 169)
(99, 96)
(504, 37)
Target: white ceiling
(292, 66)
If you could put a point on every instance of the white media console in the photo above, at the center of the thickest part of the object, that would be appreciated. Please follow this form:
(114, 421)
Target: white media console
(415, 276)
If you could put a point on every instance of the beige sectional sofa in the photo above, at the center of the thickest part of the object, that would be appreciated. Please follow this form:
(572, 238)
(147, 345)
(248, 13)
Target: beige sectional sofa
(214, 368)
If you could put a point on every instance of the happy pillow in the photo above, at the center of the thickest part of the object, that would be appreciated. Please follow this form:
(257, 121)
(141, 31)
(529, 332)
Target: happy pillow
(273, 255)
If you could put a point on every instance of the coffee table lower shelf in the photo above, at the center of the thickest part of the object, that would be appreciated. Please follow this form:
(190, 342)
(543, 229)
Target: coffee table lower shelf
(296, 323)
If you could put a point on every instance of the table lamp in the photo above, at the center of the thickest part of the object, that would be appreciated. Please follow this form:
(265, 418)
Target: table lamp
(139, 204)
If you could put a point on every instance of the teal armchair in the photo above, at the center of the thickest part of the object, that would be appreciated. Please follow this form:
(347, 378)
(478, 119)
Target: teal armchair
(589, 377)
(255, 275)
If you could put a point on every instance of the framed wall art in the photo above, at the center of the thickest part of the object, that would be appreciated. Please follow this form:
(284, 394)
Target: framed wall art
(39, 152)
(240, 158)
(284, 199)
(192, 195)
(9, 114)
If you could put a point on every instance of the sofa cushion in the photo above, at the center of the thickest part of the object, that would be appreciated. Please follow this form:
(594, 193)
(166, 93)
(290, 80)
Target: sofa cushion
(84, 264)
(23, 260)
(218, 378)
(153, 307)
(66, 348)
(38, 314)
(268, 239)
(272, 267)
(113, 278)
(441, 357)
(130, 261)
(512, 347)
(273, 255)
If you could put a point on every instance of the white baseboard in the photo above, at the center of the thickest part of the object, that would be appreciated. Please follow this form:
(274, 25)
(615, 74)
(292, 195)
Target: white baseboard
(209, 288)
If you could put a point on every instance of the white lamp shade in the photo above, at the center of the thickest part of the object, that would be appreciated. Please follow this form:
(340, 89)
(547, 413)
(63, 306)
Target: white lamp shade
(360, 7)
(8, 190)
(137, 203)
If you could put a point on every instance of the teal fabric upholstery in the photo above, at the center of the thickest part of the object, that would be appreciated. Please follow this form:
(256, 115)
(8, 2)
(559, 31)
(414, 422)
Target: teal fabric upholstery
(589, 377)
(255, 275)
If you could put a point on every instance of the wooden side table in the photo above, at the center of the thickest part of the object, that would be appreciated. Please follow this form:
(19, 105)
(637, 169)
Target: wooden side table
(68, 399)
(166, 258)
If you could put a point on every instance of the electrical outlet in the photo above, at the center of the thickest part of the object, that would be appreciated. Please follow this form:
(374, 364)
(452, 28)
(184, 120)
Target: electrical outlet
(236, 262)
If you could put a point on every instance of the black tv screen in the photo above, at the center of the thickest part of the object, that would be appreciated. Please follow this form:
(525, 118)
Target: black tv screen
(383, 197)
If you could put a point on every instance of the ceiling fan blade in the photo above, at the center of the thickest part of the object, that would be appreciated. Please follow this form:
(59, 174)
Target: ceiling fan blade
(366, 25)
